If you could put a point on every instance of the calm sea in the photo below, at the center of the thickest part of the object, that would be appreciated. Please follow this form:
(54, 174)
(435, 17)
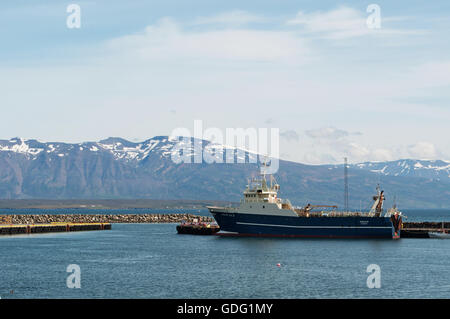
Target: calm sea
(152, 261)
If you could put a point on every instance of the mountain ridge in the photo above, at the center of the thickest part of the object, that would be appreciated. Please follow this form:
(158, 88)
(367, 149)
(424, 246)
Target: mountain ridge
(116, 168)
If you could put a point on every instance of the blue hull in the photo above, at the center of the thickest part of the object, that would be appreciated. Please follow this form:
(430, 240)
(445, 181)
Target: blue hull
(325, 227)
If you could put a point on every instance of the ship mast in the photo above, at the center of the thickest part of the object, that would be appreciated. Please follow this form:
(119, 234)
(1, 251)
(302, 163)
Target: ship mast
(264, 185)
(263, 174)
(345, 185)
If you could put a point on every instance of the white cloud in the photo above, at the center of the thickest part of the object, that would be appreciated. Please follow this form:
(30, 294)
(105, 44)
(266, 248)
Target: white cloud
(314, 157)
(344, 22)
(290, 135)
(330, 145)
(359, 153)
(231, 18)
(168, 40)
(382, 154)
(436, 73)
(326, 133)
(422, 150)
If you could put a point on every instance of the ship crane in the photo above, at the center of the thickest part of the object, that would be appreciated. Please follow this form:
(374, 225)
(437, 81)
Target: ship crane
(377, 206)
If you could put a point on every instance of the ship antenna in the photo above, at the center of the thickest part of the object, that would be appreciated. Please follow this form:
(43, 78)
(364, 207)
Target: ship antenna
(264, 167)
(346, 184)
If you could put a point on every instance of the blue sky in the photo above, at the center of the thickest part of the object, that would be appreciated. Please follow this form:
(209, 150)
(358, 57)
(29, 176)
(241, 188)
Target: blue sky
(313, 69)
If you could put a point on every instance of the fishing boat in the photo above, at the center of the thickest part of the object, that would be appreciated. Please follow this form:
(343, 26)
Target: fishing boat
(197, 228)
(262, 213)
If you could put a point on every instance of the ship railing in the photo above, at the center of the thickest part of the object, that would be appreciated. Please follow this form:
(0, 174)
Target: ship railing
(303, 213)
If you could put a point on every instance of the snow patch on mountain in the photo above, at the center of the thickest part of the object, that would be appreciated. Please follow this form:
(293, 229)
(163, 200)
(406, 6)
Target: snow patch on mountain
(19, 145)
(432, 169)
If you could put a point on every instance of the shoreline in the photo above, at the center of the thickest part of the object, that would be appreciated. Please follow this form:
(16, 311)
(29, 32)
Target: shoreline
(106, 204)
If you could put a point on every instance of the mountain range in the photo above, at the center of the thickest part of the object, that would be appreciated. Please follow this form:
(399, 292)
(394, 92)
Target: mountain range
(115, 168)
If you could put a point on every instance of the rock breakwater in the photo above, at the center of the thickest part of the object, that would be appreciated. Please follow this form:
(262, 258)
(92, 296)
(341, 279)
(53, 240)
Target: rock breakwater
(104, 218)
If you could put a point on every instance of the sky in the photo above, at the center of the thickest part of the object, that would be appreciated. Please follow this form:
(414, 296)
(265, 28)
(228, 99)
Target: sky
(334, 86)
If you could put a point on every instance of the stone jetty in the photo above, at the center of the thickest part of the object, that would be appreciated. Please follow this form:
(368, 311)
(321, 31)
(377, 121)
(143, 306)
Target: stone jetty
(51, 228)
(426, 225)
(421, 229)
(104, 218)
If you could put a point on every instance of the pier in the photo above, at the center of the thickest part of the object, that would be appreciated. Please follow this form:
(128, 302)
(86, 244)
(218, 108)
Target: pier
(421, 229)
(51, 223)
(14, 229)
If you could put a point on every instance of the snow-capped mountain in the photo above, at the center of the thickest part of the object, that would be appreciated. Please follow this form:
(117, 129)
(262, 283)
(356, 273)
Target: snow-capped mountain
(438, 170)
(117, 168)
(121, 149)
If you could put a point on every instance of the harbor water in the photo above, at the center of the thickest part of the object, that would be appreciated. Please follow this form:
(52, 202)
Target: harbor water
(153, 261)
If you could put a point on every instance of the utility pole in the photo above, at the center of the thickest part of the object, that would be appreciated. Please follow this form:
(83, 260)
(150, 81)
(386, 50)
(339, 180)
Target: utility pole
(346, 184)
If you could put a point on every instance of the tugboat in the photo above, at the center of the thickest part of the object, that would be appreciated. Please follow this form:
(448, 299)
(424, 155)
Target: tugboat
(262, 213)
(197, 228)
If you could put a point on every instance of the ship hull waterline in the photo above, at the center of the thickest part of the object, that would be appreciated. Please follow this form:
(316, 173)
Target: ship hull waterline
(241, 224)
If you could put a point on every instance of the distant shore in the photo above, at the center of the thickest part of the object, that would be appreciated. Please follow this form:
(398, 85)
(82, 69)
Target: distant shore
(103, 218)
(107, 204)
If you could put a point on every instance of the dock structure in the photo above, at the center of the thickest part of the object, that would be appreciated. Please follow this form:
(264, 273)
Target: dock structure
(421, 229)
(14, 229)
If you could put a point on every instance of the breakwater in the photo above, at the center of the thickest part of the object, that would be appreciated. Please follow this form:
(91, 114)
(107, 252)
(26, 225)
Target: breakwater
(421, 229)
(426, 225)
(51, 228)
(104, 218)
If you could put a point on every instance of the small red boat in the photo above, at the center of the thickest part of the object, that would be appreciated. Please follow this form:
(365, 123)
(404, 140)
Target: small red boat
(197, 228)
